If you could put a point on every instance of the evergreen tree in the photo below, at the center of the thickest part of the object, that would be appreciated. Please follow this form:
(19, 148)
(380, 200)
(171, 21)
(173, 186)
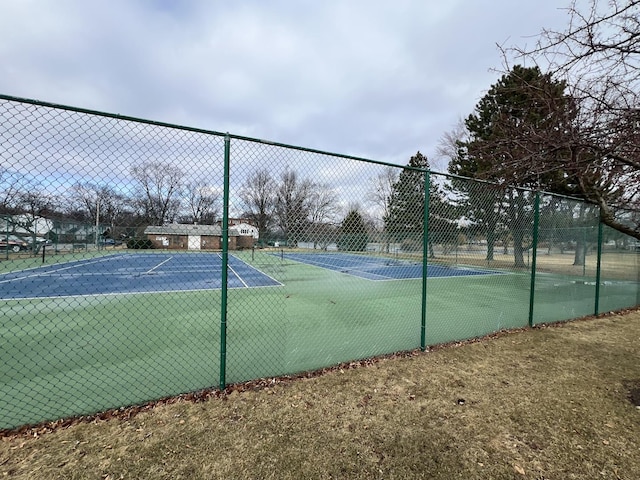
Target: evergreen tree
(503, 129)
(404, 222)
(353, 234)
(512, 122)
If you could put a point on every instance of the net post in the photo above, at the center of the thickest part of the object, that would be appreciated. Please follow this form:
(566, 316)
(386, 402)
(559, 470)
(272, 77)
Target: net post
(225, 265)
(425, 253)
(596, 307)
(534, 246)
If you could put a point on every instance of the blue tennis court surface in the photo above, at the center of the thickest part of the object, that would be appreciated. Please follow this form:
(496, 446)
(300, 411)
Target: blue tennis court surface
(131, 273)
(380, 268)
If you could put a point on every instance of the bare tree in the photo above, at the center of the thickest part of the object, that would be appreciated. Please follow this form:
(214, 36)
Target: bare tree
(292, 206)
(451, 144)
(33, 206)
(598, 56)
(257, 195)
(203, 203)
(93, 203)
(12, 185)
(83, 199)
(323, 212)
(158, 189)
(381, 189)
(380, 194)
(323, 203)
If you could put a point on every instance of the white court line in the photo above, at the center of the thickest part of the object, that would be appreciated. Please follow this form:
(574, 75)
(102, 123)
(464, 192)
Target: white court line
(353, 272)
(131, 272)
(239, 277)
(261, 273)
(116, 294)
(44, 274)
(254, 268)
(346, 270)
(235, 273)
(157, 266)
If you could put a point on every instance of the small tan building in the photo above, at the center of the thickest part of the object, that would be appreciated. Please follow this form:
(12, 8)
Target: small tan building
(194, 237)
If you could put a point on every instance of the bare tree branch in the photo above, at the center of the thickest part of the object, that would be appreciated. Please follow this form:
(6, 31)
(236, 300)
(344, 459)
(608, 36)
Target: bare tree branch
(598, 57)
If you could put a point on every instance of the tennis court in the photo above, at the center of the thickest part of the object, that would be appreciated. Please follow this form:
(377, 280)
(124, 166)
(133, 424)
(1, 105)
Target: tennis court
(378, 268)
(131, 273)
(94, 333)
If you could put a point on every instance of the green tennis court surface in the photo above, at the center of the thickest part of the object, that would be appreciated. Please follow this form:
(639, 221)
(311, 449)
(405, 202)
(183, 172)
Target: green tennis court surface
(78, 355)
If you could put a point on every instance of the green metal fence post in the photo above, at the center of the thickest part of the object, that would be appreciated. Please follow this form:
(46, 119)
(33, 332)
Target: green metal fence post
(225, 266)
(425, 253)
(598, 270)
(534, 246)
(7, 238)
(584, 251)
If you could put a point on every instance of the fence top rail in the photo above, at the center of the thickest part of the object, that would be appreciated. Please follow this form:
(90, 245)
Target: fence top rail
(500, 186)
(128, 118)
(260, 141)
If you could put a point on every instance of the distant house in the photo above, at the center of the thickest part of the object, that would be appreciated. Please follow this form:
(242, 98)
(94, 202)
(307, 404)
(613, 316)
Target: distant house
(25, 226)
(237, 221)
(244, 226)
(246, 229)
(194, 237)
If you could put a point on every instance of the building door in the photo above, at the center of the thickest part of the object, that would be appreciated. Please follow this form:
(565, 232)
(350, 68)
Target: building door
(194, 242)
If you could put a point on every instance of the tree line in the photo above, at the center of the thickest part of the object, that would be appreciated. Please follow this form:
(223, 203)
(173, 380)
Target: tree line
(286, 207)
(569, 123)
(283, 206)
(161, 194)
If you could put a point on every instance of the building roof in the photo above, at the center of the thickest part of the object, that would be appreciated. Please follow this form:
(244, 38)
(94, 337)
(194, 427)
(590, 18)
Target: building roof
(187, 229)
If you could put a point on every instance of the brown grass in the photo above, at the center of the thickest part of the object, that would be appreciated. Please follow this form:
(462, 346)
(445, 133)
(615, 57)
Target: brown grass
(617, 265)
(548, 403)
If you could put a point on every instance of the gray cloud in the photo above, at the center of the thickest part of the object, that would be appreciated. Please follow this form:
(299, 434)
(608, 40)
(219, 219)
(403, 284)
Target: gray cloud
(378, 79)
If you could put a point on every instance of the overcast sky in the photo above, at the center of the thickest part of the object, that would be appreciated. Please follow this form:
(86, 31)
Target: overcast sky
(371, 78)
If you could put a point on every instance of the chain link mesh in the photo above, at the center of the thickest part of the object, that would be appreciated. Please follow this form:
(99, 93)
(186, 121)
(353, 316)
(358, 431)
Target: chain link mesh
(112, 234)
(620, 278)
(480, 235)
(566, 261)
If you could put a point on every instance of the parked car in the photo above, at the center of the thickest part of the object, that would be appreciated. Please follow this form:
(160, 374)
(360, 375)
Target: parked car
(13, 245)
(110, 242)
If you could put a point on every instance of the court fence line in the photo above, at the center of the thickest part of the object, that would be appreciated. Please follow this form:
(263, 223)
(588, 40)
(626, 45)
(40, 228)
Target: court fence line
(85, 186)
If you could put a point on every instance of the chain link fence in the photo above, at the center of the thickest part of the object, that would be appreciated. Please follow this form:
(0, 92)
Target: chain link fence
(142, 260)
